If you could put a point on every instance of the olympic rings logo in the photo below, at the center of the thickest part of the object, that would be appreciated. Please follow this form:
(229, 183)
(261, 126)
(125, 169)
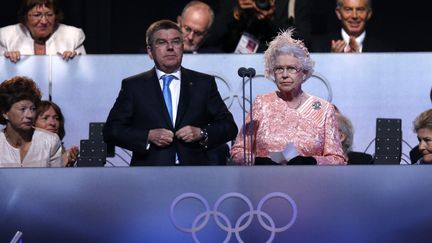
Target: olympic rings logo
(202, 219)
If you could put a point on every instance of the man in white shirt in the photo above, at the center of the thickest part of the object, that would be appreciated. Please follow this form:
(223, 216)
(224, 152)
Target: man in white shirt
(352, 37)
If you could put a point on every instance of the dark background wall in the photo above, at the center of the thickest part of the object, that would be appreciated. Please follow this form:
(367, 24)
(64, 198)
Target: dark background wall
(118, 26)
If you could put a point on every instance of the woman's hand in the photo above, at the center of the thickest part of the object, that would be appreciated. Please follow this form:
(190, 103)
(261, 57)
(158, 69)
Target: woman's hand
(67, 55)
(70, 156)
(13, 56)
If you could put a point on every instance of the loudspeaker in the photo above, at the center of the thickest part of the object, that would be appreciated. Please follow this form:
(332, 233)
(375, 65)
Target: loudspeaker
(95, 131)
(93, 152)
(90, 162)
(93, 149)
(388, 141)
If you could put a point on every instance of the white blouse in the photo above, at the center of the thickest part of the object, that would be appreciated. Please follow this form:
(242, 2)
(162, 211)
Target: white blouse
(18, 38)
(45, 151)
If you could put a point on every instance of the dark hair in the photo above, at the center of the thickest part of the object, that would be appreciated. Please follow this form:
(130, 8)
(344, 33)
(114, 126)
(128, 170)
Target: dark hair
(44, 106)
(160, 25)
(27, 5)
(17, 89)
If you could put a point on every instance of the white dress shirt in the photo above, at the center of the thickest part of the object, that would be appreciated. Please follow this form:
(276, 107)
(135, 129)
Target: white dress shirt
(174, 89)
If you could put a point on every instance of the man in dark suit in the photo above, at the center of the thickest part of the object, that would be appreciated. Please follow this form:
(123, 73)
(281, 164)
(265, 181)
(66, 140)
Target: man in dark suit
(141, 119)
(353, 16)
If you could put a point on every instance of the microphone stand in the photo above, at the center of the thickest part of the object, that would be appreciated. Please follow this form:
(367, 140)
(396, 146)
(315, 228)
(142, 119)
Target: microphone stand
(242, 73)
(250, 73)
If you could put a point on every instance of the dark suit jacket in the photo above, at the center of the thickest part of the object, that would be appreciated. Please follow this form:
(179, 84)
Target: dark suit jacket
(370, 44)
(415, 155)
(140, 107)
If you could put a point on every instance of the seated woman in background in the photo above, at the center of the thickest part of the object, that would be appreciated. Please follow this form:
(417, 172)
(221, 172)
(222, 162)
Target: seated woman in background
(423, 128)
(50, 117)
(21, 144)
(40, 33)
(290, 115)
(346, 132)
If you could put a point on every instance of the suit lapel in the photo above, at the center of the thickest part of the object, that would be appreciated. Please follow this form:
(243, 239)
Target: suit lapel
(185, 92)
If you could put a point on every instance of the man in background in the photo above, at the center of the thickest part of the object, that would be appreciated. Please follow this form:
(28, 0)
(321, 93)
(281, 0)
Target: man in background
(352, 37)
(195, 21)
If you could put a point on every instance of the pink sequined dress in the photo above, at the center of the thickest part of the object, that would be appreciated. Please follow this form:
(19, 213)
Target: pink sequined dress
(312, 128)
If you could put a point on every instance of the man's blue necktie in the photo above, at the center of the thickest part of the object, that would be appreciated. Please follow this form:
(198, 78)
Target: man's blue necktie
(167, 97)
(167, 93)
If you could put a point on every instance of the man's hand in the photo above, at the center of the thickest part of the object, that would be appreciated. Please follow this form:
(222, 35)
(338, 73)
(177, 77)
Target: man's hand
(265, 14)
(259, 13)
(189, 134)
(338, 46)
(246, 4)
(161, 137)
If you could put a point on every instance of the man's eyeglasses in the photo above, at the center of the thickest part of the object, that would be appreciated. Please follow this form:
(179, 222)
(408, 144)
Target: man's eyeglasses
(48, 15)
(188, 30)
(164, 43)
(289, 69)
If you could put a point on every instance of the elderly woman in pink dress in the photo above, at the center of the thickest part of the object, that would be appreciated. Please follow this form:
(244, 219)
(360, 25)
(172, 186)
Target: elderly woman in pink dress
(290, 116)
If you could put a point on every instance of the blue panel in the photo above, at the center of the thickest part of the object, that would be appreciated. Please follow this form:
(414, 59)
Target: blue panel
(296, 204)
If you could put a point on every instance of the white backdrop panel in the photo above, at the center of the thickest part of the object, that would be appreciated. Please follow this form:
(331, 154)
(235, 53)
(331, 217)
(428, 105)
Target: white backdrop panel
(34, 67)
(364, 87)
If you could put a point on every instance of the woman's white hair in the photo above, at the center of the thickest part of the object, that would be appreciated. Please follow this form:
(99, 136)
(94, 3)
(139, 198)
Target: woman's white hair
(284, 44)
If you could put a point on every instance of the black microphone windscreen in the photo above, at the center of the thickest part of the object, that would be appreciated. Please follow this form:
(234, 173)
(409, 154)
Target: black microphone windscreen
(251, 72)
(242, 72)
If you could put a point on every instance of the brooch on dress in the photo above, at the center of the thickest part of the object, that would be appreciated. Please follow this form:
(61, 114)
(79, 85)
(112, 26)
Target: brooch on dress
(316, 105)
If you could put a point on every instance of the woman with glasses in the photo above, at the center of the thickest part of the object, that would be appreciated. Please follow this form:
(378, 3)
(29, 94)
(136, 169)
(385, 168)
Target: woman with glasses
(40, 33)
(289, 118)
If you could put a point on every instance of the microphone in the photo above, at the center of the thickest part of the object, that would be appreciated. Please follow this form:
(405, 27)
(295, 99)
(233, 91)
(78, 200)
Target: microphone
(251, 72)
(246, 72)
(242, 72)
